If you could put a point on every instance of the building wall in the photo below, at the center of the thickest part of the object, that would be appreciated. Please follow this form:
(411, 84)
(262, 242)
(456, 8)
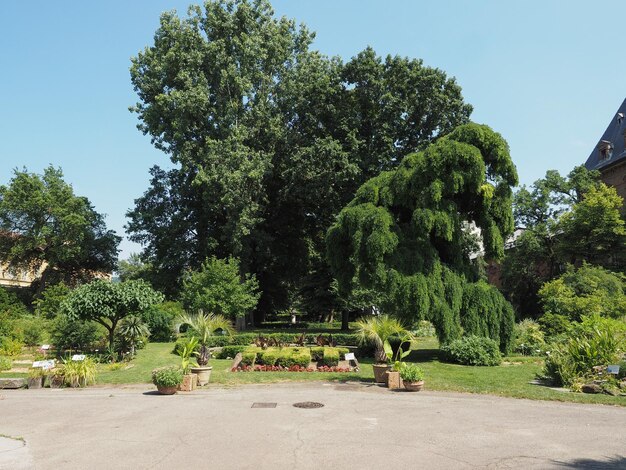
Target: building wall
(616, 177)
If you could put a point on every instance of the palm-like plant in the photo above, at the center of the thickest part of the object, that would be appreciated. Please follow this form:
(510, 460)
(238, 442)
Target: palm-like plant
(379, 330)
(132, 330)
(203, 326)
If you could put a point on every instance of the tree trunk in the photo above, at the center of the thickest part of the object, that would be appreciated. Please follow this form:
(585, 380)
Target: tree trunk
(345, 320)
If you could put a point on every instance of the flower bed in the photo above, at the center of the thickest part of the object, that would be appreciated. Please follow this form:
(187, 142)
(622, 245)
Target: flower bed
(294, 368)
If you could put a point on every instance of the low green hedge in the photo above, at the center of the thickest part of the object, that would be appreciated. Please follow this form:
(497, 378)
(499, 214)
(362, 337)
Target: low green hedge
(230, 351)
(269, 356)
(331, 357)
(243, 339)
(294, 357)
(249, 358)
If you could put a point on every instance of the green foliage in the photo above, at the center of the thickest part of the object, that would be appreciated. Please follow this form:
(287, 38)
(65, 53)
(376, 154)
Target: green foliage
(292, 134)
(204, 325)
(269, 357)
(79, 373)
(596, 341)
(294, 357)
(473, 351)
(36, 330)
(49, 304)
(330, 357)
(45, 228)
(379, 330)
(404, 232)
(167, 376)
(529, 338)
(587, 290)
(217, 288)
(411, 373)
(69, 333)
(10, 347)
(5, 363)
(230, 351)
(554, 325)
(185, 353)
(160, 320)
(132, 331)
(486, 313)
(248, 358)
(108, 303)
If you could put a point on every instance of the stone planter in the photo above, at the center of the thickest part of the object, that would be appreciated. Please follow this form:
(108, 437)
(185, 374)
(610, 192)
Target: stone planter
(414, 386)
(189, 383)
(394, 382)
(35, 382)
(380, 373)
(56, 381)
(203, 373)
(166, 390)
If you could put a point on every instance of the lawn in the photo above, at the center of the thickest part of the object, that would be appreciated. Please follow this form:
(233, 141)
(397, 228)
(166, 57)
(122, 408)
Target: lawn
(511, 379)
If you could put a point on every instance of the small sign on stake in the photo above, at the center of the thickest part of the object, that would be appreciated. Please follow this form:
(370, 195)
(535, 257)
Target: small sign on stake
(350, 357)
(613, 369)
(78, 357)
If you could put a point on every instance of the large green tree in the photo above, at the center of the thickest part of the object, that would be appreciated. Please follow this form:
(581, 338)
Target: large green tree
(48, 230)
(108, 303)
(270, 139)
(571, 219)
(405, 234)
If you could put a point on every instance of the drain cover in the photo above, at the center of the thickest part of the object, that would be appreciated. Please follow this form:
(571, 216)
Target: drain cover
(308, 404)
(263, 405)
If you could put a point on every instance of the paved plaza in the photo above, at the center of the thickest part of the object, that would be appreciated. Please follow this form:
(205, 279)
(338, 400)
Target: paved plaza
(360, 426)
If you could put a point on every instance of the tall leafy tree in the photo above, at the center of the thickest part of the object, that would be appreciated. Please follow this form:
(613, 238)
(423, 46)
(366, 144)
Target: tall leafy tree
(403, 234)
(271, 139)
(48, 230)
(108, 303)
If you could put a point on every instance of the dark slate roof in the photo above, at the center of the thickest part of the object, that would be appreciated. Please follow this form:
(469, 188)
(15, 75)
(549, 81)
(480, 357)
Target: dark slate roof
(613, 137)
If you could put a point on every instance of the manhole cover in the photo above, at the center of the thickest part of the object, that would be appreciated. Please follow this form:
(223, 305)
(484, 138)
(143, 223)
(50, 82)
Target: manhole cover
(263, 405)
(308, 404)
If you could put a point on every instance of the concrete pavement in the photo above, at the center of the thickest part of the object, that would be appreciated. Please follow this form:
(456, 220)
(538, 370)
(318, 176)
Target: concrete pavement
(360, 426)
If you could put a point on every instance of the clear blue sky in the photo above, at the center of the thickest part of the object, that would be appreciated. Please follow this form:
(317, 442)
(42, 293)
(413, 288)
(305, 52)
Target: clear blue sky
(548, 75)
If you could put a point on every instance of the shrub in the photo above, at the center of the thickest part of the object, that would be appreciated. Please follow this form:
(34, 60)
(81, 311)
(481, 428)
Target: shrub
(10, 347)
(411, 373)
(5, 363)
(230, 351)
(49, 305)
(473, 351)
(317, 353)
(269, 356)
(79, 373)
(167, 376)
(76, 334)
(160, 320)
(553, 324)
(588, 290)
(248, 357)
(529, 339)
(294, 357)
(596, 341)
(331, 357)
(36, 330)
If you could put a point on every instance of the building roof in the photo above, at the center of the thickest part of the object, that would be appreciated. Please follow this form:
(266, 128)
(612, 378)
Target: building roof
(610, 149)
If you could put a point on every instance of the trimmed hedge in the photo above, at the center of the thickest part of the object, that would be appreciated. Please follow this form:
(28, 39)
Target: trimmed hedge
(294, 357)
(230, 351)
(249, 357)
(343, 339)
(331, 357)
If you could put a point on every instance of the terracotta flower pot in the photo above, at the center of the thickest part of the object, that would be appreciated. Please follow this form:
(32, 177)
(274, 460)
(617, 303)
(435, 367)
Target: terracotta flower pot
(203, 373)
(189, 383)
(414, 386)
(166, 390)
(380, 373)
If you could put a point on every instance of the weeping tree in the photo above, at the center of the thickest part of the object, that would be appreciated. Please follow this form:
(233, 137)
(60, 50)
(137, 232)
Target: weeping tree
(409, 233)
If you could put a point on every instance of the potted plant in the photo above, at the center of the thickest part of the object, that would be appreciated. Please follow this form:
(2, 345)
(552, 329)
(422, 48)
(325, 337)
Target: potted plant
(413, 377)
(167, 379)
(189, 380)
(379, 330)
(36, 376)
(394, 381)
(204, 326)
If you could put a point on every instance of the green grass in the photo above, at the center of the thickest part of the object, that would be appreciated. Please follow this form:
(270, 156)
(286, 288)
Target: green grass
(511, 379)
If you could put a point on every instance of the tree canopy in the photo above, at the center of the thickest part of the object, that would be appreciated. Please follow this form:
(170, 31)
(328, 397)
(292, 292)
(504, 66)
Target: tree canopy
(573, 219)
(270, 140)
(406, 234)
(107, 303)
(45, 228)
